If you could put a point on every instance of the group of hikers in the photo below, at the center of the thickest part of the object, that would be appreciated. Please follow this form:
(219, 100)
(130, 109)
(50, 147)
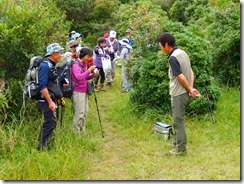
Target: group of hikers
(89, 65)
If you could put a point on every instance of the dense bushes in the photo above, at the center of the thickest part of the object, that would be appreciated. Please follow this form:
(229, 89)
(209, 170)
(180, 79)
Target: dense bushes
(149, 72)
(223, 34)
(26, 28)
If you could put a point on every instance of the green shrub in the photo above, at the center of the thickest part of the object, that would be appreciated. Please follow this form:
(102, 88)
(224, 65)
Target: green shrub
(223, 34)
(150, 74)
(26, 27)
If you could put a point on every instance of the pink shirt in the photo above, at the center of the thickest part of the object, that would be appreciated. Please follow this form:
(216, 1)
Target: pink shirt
(79, 76)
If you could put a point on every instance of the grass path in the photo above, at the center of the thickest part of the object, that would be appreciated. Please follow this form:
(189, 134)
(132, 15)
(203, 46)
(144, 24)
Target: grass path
(109, 164)
(130, 151)
(120, 154)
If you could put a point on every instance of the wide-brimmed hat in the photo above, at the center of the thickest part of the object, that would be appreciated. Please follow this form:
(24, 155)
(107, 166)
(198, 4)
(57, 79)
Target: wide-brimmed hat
(77, 35)
(125, 42)
(53, 48)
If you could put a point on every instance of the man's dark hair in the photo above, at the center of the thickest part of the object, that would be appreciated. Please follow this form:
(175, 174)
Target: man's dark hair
(101, 40)
(166, 38)
(85, 51)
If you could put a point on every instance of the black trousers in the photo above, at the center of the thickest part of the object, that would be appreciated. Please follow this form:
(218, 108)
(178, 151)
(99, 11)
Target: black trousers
(101, 76)
(48, 126)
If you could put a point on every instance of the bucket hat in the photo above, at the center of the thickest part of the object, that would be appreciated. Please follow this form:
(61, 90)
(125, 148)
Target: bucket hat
(53, 48)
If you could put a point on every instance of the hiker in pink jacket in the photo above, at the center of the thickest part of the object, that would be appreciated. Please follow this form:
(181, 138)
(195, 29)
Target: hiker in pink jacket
(79, 76)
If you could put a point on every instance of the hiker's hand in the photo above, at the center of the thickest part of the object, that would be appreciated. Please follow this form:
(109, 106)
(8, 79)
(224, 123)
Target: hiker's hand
(52, 106)
(194, 93)
(92, 68)
(61, 102)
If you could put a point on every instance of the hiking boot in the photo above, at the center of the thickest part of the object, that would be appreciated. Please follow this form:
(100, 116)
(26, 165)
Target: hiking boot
(102, 88)
(96, 88)
(109, 84)
(178, 153)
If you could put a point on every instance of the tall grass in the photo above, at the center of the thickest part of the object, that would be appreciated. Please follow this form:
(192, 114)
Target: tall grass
(129, 151)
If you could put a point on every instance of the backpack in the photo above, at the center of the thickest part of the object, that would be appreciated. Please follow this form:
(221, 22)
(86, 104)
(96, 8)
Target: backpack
(31, 87)
(31, 83)
(64, 72)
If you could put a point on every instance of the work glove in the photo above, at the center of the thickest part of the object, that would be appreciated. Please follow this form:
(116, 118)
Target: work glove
(61, 101)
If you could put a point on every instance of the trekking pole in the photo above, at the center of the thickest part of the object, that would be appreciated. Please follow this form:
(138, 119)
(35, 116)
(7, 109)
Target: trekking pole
(209, 107)
(98, 111)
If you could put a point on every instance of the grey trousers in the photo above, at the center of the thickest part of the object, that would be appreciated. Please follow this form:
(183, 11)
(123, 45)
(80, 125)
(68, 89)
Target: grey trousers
(125, 83)
(178, 105)
(109, 76)
(80, 105)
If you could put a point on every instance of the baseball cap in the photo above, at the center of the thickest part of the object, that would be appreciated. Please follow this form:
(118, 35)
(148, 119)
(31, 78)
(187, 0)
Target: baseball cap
(106, 35)
(53, 48)
(112, 34)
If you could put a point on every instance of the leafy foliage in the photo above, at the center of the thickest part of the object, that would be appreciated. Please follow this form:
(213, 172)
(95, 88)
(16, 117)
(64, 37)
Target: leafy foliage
(26, 29)
(144, 29)
(225, 49)
(91, 18)
(151, 79)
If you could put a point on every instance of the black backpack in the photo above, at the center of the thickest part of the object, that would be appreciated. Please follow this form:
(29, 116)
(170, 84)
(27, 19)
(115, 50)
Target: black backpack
(64, 72)
(31, 87)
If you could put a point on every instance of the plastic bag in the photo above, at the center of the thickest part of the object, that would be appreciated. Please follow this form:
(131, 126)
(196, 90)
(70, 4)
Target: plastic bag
(106, 62)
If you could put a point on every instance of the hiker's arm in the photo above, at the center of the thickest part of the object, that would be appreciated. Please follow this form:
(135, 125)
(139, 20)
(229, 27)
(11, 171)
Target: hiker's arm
(192, 91)
(79, 74)
(181, 78)
(51, 104)
(191, 79)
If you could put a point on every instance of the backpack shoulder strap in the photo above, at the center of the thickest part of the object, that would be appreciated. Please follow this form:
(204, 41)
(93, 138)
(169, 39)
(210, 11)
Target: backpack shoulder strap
(48, 62)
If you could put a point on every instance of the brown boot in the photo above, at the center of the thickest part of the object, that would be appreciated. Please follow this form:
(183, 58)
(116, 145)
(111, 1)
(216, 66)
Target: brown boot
(96, 88)
(102, 88)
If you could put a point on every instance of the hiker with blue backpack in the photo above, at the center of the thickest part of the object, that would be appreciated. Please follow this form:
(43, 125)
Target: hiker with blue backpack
(51, 93)
(79, 77)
